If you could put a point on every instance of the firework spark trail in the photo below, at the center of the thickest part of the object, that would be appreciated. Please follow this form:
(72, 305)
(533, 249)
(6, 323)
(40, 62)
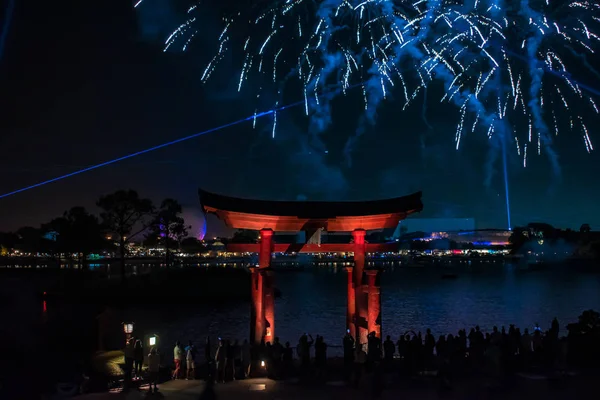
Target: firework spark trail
(328, 44)
(536, 74)
(400, 50)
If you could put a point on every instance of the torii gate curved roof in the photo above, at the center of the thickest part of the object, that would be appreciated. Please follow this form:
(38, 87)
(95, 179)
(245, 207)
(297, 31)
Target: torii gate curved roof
(293, 216)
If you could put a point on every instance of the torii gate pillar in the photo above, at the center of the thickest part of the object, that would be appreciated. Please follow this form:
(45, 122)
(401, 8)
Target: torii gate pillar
(360, 308)
(374, 306)
(262, 321)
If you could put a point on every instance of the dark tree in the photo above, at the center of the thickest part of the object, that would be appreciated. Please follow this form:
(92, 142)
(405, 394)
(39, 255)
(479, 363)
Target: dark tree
(585, 228)
(168, 227)
(542, 230)
(244, 236)
(29, 240)
(192, 245)
(125, 215)
(77, 232)
(54, 239)
(518, 238)
(8, 240)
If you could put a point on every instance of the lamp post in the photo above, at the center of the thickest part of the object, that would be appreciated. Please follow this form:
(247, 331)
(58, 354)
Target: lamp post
(153, 340)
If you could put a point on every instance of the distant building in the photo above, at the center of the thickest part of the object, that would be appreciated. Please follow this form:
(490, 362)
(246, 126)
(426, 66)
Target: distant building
(217, 246)
(429, 225)
(481, 237)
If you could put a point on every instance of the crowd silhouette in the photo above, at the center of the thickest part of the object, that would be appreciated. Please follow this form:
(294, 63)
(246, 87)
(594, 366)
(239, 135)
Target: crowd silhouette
(498, 354)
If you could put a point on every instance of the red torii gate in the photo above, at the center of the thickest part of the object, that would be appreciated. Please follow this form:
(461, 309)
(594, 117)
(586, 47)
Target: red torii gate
(267, 217)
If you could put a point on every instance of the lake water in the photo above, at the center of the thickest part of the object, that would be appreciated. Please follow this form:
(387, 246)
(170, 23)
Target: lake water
(314, 301)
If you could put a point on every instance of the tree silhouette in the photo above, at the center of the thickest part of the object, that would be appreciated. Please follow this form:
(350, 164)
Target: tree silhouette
(585, 228)
(244, 236)
(8, 240)
(125, 215)
(518, 238)
(168, 227)
(28, 239)
(192, 245)
(77, 232)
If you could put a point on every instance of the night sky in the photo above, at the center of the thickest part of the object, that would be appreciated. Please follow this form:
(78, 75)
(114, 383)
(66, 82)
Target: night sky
(82, 82)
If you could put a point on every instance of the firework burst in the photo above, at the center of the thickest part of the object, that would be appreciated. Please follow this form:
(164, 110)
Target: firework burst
(503, 63)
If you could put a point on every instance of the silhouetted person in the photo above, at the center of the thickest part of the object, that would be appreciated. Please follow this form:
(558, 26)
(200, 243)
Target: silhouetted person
(348, 344)
(229, 360)
(401, 345)
(129, 359)
(388, 351)
(451, 348)
(221, 359)
(537, 345)
(555, 329)
(462, 343)
(476, 346)
(237, 358)
(428, 347)
(320, 356)
(415, 354)
(207, 351)
(320, 351)
(153, 369)
(138, 357)
(178, 359)
(303, 350)
(360, 361)
(277, 353)
(373, 349)
(209, 360)
(288, 359)
(190, 359)
(440, 348)
(495, 337)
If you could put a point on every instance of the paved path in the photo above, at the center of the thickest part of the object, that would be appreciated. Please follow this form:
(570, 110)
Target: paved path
(525, 388)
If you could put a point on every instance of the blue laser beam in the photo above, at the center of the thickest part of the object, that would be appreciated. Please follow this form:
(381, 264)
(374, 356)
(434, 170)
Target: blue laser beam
(160, 146)
(148, 150)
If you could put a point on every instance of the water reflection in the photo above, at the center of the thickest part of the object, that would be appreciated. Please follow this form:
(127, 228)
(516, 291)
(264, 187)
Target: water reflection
(314, 300)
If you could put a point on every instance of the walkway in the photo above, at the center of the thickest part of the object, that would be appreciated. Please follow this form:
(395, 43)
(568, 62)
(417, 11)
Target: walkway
(266, 389)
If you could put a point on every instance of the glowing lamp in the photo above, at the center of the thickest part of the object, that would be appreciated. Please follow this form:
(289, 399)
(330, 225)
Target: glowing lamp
(152, 340)
(128, 327)
(262, 363)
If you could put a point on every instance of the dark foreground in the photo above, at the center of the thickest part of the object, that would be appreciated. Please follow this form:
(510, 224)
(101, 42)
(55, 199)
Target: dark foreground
(521, 387)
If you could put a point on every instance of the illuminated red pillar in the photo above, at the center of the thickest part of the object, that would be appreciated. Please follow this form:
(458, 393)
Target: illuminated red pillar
(351, 307)
(374, 305)
(265, 249)
(265, 310)
(269, 310)
(359, 294)
(257, 311)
